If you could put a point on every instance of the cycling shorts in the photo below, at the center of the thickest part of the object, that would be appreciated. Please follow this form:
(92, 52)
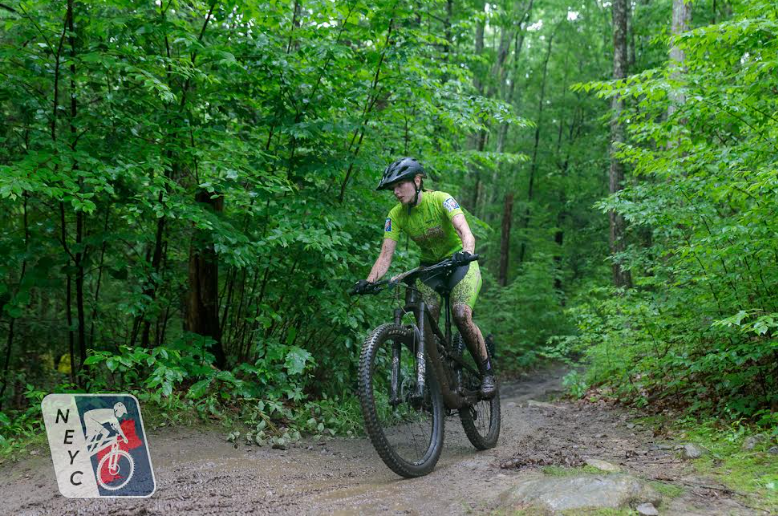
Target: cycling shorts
(464, 292)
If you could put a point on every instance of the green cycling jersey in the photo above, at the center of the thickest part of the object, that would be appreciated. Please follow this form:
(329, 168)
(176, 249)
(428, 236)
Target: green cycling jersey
(428, 224)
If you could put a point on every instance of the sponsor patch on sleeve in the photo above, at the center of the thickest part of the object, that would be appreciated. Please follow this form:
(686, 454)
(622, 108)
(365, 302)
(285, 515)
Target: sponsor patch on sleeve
(450, 204)
(388, 225)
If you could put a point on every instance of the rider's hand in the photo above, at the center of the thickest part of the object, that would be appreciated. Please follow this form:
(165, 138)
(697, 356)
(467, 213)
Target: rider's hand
(461, 258)
(360, 286)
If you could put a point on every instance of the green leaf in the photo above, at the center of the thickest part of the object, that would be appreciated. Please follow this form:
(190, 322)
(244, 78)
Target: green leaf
(199, 389)
(94, 359)
(296, 360)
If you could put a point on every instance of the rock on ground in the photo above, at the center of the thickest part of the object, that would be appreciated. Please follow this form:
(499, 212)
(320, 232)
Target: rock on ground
(691, 451)
(752, 440)
(580, 492)
(603, 465)
(647, 509)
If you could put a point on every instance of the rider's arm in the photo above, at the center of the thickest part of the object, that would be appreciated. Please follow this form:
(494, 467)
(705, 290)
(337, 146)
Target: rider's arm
(463, 230)
(384, 260)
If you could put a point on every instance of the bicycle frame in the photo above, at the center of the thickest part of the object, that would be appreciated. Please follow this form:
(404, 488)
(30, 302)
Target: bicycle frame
(454, 395)
(104, 442)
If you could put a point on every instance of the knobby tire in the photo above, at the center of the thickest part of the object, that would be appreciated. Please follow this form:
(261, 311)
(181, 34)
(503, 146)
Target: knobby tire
(481, 422)
(372, 385)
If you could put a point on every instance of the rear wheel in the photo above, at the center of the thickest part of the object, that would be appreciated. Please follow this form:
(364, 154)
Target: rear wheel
(406, 430)
(481, 421)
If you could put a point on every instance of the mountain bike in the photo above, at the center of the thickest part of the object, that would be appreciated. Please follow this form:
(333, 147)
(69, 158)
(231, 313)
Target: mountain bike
(412, 375)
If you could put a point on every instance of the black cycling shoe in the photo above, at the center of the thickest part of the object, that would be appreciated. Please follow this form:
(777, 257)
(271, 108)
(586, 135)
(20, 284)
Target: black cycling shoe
(488, 387)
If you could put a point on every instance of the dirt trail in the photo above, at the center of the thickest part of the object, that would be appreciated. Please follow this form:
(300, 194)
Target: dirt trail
(198, 472)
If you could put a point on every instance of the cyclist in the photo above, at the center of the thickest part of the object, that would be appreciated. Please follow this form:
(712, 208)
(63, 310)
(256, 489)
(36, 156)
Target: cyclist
(95, 422)
(437, 224)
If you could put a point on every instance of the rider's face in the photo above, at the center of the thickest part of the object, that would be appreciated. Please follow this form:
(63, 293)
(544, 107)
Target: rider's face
(405, 191)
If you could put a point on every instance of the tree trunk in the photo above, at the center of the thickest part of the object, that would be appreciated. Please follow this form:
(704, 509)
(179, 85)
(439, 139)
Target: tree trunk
(100, 267)
(63, 221)
(68, 295)
(447, 34)
(534, 165)
(151, 287)
(372, 97)
(478, 140)
(682, 17)
(81, 251)
(630, 39)
(480, 28)
(507, 217)
(518, 45)
(621, 278)
(203, 312)
(295, 24)
(559, 239)
(494, 91)
(12, 322)
(505, 238)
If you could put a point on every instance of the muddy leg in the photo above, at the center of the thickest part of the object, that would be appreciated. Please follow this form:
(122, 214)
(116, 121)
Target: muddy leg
(432, 299)
(463, 318)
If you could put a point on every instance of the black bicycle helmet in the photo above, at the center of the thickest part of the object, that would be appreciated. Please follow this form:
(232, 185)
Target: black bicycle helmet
(402, 169)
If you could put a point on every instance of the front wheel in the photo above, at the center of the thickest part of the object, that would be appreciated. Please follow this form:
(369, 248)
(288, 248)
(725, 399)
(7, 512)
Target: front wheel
(481, 421)
(405, 429)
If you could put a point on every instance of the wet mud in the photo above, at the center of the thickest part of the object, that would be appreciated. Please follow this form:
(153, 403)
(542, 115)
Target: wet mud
(199, 473)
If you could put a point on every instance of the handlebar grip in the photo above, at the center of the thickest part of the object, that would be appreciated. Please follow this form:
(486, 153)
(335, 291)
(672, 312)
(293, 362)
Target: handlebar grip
(371, 288)
(471, 258)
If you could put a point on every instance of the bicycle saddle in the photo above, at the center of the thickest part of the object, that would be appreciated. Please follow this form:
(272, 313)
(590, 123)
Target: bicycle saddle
(444, 281)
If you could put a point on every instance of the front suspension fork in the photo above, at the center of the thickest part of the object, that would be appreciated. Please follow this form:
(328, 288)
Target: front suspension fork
(420, 360)
(395, 392)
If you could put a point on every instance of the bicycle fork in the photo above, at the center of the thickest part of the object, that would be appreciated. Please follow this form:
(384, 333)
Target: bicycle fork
(420, 361)
(395, 398)
(114, 460)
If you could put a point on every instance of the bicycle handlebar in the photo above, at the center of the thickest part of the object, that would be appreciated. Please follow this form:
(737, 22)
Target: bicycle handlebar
(371, 288)
(376, 288)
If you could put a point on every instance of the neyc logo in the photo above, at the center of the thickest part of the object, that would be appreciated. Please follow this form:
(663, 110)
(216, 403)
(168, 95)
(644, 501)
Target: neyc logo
(98, 445)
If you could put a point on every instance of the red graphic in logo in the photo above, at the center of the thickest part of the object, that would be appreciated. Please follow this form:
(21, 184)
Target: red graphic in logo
(133, 441)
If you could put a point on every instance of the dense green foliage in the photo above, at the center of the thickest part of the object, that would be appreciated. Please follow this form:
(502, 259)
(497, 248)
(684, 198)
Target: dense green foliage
(700, 325)
(140, 140)
(187, 192)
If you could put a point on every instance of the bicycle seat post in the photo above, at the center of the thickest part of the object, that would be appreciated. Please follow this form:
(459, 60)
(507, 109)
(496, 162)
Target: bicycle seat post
(446, 302)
